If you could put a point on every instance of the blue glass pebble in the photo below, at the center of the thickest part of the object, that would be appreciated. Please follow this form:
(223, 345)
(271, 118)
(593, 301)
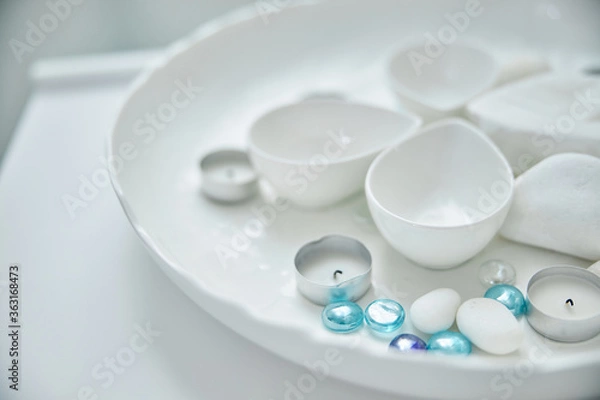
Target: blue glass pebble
(510, 296)
(448, 342)
(407, 342)
(342, 317)
(384, 315)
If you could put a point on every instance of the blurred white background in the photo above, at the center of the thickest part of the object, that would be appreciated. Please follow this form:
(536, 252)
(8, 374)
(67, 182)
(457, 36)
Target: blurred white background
(94, 26)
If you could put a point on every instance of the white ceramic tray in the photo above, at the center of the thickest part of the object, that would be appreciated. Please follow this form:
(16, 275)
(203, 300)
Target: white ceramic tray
(245, 67)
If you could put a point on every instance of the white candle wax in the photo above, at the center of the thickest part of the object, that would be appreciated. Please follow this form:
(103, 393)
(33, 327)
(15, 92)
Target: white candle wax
(550, 295)
(334, 268)
(321, 269)
(229, 171)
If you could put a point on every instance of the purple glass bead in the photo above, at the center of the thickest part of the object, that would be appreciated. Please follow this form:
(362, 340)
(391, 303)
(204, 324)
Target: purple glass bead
(407, 342)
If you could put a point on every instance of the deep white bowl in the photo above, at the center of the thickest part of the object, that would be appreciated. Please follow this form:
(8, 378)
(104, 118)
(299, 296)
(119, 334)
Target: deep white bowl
(442, 85)
(440, 196)
(317, 153)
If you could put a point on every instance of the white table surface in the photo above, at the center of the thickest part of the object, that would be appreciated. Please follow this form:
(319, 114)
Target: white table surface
(87, 282)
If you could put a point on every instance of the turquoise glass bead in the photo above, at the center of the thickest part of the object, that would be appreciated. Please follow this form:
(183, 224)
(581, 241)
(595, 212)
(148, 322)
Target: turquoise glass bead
(384, 315)
(448, 342)
(342, 317)
(407, 342)
(510, 296)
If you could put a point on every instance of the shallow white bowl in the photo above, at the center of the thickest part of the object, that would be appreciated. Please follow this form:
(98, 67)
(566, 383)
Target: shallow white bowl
(443, 85)
(441, 196)
(317, 153)
(255, 294)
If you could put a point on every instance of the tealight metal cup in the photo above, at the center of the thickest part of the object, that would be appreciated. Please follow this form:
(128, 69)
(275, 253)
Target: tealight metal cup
(331, 255)
(559, 329)
(228, 176)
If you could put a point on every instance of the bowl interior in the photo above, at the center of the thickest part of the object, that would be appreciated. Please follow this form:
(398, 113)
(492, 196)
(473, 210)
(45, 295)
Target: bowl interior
(444, 82)
(448, 175)
(298, 132)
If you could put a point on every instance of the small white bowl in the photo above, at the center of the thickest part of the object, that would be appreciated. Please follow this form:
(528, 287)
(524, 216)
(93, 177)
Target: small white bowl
(442, 85)
(318, 153)
(440, 196)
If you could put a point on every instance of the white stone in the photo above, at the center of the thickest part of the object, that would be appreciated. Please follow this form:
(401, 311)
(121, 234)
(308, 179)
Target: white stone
(489, 325)
(519, 66)
(435, 311)
(557, 206)
(536, 117)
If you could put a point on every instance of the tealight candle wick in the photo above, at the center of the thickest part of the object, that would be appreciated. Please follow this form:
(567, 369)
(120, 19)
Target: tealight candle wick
(337, 271)
(569, 301)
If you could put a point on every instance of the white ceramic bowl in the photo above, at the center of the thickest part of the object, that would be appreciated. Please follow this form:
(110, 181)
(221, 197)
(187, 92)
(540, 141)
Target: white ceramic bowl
(254, 292)
(438, 87)
(440, 196)
(317, 153)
